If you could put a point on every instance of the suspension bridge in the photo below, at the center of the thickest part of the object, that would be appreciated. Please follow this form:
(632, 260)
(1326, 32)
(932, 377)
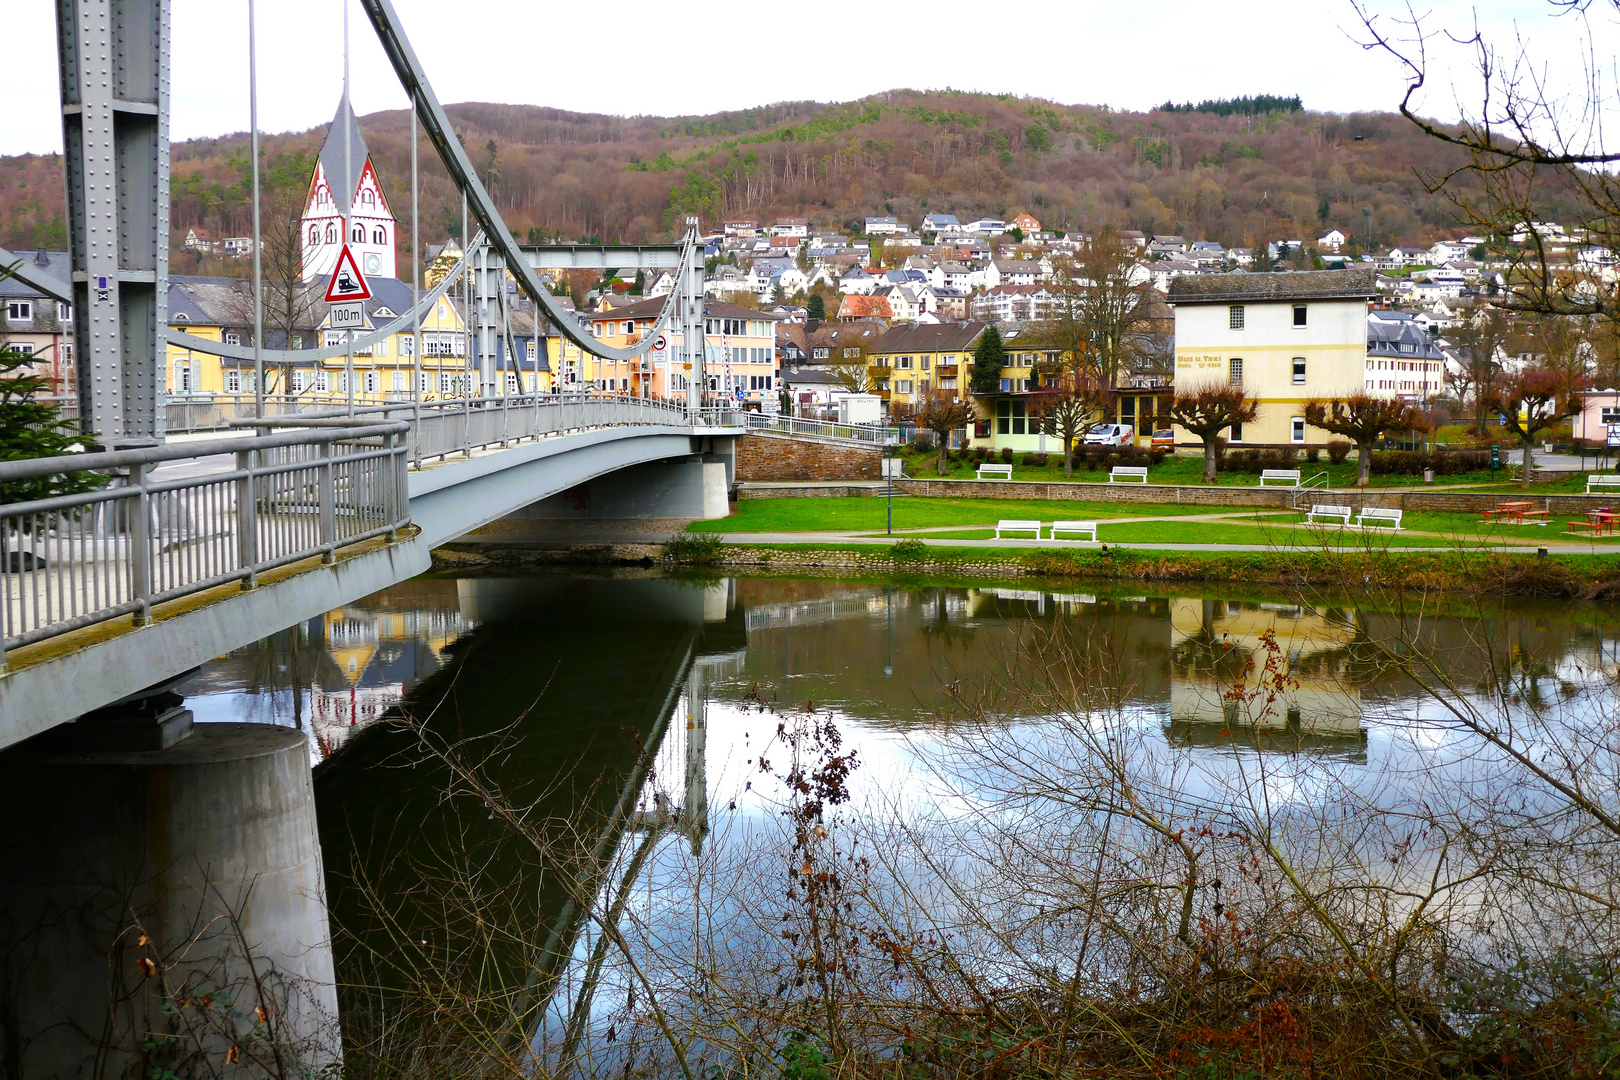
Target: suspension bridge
(125, 566)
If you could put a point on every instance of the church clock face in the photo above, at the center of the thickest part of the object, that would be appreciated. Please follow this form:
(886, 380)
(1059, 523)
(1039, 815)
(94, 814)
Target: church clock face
(373, 264)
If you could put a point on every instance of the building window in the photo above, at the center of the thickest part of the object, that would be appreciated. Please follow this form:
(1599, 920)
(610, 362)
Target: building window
(233, 381)
(314, 234)
(1235, 433)
(1297, 429)
(1299, 314)
(300, 381)
(20, 311)
(948, 383)
(398, 381)
(902, 386)
(1234, 317)
(1010, 418)
(381, 347)
(358, 234)
(233, 337)
(379, 237)
(331, 234)
(64, 313)
(323, 381)
(447, 382)
(407, 345)
(1234, 369)
(371, 382)
(1299, 371)
(21, 348)
(182, 377)
(67, 352)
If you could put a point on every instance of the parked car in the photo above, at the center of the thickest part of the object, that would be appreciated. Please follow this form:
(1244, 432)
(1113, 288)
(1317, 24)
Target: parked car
(1110, 435)
(1164, 440)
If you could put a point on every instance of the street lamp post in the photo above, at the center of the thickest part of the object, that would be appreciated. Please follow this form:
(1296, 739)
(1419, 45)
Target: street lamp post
(888, 472)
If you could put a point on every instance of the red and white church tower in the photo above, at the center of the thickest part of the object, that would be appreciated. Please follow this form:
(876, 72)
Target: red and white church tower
(357, 194)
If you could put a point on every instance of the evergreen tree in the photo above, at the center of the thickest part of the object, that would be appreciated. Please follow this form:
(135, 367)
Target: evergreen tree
(989, 357)
(816, 308)
(30, 428)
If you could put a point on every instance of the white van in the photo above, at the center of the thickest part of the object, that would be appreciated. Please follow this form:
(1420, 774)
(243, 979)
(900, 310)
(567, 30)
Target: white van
(1110, 435)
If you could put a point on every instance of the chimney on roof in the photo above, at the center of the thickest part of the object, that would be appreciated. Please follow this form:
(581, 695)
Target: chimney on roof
(41, 258)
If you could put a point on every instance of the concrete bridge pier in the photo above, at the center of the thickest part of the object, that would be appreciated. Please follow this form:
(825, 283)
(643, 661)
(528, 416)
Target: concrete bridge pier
(153, 901)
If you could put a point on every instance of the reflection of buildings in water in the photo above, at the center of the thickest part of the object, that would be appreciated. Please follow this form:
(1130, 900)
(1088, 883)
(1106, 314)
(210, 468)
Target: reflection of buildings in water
(815, 611)
(1211, 642)
(375, 658)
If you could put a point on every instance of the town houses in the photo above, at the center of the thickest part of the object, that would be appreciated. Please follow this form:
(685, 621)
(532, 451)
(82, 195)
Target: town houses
(801, 311)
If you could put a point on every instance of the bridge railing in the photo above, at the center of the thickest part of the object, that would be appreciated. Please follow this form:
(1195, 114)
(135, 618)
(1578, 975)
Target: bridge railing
(872, 434)
(90, 537)
(440, 429)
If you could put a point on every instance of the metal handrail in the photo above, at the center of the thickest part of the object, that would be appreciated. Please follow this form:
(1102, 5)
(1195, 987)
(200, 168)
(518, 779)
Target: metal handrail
(1310, 485)
(71, 560)
(873, 434)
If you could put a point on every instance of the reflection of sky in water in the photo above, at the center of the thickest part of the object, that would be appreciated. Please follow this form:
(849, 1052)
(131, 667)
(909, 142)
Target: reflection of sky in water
(1350, 736)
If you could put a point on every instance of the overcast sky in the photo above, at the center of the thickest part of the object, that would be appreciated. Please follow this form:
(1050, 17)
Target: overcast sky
(624, 59)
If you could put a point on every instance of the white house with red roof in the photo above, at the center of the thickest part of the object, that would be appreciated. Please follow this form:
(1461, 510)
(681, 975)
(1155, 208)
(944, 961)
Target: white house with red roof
(334, 196)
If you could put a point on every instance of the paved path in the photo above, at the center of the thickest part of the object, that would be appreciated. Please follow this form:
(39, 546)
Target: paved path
(1443, 541)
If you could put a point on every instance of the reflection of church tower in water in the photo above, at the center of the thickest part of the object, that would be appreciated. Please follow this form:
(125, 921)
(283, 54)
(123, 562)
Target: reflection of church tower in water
(345, 182)
(1212, 640)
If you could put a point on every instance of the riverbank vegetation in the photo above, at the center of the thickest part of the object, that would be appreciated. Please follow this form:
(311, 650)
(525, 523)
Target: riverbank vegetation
(1357, 890)
(1459, 572)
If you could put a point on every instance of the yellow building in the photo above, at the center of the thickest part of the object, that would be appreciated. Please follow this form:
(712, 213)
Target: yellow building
(910, 362)
(219, 309)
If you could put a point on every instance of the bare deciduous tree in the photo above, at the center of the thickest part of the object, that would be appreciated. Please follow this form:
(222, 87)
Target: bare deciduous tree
(1208, 411)
(1363, 419)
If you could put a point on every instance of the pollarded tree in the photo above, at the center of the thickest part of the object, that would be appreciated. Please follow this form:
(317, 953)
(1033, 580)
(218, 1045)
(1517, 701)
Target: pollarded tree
(1536, 400)
(1207, 411)
(942, 413)
(1067, 406)
(1363, 419)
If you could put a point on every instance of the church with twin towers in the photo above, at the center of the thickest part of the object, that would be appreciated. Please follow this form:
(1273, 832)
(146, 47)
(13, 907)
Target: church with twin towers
(345, 185)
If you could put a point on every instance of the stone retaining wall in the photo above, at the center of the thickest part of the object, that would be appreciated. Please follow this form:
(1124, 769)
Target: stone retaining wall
(762, 456)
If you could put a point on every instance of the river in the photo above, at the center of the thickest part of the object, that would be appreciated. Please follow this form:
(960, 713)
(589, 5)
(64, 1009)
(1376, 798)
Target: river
(556, 808)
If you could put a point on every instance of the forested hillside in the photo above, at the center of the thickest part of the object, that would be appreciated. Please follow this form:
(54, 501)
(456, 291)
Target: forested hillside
(1235, 178)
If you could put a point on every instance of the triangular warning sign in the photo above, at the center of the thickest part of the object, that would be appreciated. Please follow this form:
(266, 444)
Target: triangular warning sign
(347, 282)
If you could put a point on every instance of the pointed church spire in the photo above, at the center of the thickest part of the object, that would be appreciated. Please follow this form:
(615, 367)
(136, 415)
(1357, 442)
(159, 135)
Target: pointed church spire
(332, 163)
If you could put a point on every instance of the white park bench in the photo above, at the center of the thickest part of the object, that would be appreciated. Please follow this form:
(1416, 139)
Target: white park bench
(1380, 516)
(1003, 471)
(1088, 527)
(1290, 475)
(1602, 480)
(1018, 526)
(1341, 514)
(1128, 472)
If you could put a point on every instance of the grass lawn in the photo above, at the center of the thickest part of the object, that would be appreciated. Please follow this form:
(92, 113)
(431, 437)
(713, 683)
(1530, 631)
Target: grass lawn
(1187, 469)
(869, 515)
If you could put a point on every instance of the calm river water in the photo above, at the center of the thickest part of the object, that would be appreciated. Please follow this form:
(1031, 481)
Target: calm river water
(635, 728)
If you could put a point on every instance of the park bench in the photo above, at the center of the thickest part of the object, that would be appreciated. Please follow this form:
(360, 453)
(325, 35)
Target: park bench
(1602, 480)
(1593, 528)
(1290, 475)
(1018, 526)
(1532, 517)
(1341, 514)
(1128, 472)
(1380, 516)
(1003, 471)
(1089, 527)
